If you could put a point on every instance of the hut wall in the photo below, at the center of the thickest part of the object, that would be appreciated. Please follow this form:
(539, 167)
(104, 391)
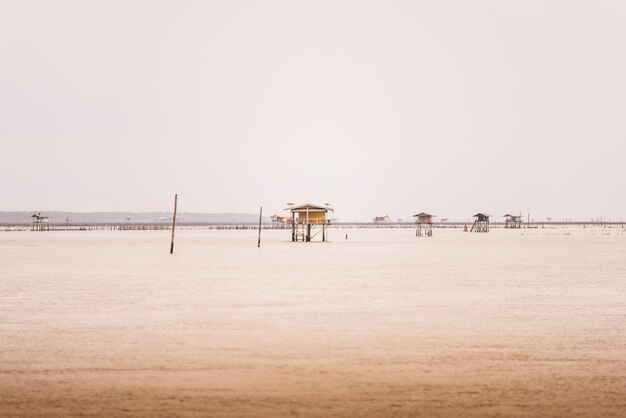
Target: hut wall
(314, 217)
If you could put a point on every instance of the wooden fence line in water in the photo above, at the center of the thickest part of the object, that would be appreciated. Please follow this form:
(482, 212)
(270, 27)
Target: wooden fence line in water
(250, 226)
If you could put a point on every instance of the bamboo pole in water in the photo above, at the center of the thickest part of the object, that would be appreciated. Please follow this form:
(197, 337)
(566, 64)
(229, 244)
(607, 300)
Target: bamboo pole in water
(260, 217)
(174, 223)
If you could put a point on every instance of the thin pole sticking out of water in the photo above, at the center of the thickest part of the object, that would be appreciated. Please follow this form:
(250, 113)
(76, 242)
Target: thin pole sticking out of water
(174, 223)
(260, 217)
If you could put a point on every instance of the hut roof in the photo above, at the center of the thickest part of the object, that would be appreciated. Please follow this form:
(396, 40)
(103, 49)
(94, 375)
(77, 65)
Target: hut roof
(309, 207)
(423, 214)
(484, 215)
(513, 215)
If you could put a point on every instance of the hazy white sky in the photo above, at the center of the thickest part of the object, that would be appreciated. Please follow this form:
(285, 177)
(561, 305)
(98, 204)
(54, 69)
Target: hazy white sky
(449, 107)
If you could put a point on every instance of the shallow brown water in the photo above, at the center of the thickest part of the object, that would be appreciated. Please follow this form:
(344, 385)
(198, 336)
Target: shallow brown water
(510, 323)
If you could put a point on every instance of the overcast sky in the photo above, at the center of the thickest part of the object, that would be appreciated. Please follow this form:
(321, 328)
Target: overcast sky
(376, 107)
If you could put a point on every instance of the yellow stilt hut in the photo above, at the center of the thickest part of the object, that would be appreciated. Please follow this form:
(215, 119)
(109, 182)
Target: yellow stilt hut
(308, 215)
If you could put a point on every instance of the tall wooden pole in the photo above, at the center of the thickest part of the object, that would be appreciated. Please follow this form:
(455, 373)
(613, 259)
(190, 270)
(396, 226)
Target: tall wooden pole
(174, 223)
(260, 217)
(308, 226)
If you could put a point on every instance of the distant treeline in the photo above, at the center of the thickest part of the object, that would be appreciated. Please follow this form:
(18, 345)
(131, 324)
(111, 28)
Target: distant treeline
(57, 217)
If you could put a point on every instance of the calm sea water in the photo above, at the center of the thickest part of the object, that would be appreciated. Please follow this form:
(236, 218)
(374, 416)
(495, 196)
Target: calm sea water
(509, 323)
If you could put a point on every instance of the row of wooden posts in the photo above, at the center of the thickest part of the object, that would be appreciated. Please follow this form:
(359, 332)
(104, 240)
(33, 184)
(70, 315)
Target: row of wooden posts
(174, 224)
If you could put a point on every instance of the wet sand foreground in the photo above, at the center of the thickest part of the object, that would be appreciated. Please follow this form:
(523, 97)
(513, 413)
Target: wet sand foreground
(510, 323)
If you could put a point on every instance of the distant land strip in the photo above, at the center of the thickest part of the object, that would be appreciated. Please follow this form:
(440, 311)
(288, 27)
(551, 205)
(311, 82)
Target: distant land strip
(120, 218)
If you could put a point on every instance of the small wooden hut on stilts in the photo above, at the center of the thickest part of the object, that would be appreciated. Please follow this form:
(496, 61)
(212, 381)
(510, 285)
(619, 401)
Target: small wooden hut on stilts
(424, 224)
(381, 219)
(309, 215)
(280, 221)
(513, 220)
(481, 223)
(40, 223)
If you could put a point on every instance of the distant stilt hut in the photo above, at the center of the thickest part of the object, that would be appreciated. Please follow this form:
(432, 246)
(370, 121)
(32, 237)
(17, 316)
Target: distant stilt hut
(481, 223)
(309, 215)
(40, 222)
(280, 221)
(513, 220)
(381, 219)
(424, 224)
